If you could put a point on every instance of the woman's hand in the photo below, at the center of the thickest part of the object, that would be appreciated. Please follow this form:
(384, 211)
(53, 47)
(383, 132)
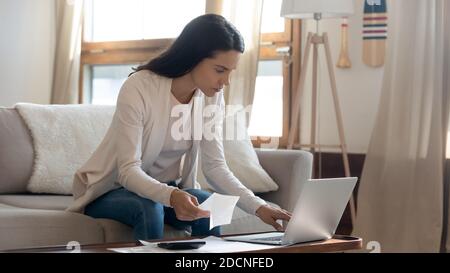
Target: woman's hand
(186, 206)
(270, 215)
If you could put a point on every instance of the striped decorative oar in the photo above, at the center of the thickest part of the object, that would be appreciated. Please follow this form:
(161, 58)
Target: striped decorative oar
(374, 32)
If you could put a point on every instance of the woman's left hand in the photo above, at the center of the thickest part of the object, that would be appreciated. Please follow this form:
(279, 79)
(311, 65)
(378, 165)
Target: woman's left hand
(270, 215)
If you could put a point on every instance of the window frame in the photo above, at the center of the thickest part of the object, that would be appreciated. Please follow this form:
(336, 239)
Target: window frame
(116, 53)
(279, 36)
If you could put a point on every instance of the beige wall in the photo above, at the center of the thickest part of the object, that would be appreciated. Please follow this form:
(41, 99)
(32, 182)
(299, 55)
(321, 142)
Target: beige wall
(26, 51)
(359, 88)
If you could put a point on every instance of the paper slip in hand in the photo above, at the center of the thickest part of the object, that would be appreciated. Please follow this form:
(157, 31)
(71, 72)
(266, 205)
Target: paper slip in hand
(221, 208)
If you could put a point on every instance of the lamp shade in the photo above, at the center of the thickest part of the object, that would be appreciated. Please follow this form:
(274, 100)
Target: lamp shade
(306, 8)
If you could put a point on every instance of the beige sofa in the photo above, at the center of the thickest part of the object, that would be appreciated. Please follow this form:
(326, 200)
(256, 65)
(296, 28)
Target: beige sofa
(31, 220)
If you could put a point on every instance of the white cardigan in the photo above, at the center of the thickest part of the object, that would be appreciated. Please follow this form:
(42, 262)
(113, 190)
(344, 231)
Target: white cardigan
(136, 137)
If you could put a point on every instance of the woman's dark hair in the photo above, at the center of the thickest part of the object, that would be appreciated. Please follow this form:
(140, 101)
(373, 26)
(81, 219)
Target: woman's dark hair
(201, 38)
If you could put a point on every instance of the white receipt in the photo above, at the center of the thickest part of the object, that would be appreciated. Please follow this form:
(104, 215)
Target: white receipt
(221, 208)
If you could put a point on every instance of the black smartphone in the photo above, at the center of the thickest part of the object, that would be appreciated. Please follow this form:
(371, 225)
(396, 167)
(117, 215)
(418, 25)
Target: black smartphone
(182, 244)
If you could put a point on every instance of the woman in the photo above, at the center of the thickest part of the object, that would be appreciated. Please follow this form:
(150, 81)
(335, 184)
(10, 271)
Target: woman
(133, 176)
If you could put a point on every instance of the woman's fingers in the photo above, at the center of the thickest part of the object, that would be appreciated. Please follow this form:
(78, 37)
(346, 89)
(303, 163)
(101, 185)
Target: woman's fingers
(277, 226)
(190, 216)
(287, 212)
(283, 215)
(279, 214)
(196, 211)
(194, 200)
(270, 215)
(190, 210)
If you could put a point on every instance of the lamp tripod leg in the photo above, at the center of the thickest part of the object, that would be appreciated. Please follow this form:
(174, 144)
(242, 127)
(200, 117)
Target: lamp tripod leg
(339, 120)
(314, 99)
(298, 95)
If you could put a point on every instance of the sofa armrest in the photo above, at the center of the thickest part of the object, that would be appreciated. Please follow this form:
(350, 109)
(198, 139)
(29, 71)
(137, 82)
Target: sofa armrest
(289, 169)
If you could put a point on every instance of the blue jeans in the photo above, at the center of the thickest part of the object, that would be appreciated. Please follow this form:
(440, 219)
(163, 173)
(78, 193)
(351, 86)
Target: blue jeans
(146, 217)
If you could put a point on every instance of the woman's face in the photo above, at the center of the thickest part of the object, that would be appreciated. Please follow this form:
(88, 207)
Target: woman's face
(211, 74)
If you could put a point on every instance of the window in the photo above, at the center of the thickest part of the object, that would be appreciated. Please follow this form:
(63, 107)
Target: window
(106, 81)
(267, 111)
(121, 34)
(272, 22)
(118, 20)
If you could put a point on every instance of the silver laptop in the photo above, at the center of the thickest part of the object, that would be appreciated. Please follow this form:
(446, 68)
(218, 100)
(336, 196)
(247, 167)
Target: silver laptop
(316, 215)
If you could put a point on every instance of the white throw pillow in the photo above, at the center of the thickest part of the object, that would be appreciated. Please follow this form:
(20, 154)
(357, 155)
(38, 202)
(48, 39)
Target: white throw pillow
(241, 158)
(64, 137)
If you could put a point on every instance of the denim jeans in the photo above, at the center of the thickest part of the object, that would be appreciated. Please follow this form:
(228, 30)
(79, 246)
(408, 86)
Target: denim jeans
(146, 217)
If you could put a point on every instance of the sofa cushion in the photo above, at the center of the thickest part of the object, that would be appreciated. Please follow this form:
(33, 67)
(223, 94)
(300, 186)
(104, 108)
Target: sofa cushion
(240, 157)
(114, 231)
(16, 156)
(62, 147)
(37, 201)
(23, 228)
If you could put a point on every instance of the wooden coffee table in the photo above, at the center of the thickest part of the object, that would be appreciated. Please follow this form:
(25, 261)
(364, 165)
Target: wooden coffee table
(339, 243)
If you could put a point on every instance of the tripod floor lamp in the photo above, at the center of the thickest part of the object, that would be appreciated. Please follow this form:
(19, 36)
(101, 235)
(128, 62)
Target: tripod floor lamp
(317, 9)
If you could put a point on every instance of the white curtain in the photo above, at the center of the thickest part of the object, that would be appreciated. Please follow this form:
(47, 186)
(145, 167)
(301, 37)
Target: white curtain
(246, 17)
(400, 199)
(68, 23)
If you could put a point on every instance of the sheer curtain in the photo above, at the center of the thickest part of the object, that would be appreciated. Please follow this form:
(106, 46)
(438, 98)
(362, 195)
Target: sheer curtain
(68, 22)
(400, 199)
(246, 16)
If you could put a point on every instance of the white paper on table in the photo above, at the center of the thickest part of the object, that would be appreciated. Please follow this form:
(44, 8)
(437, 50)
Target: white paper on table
(221, 208)
(213, 245)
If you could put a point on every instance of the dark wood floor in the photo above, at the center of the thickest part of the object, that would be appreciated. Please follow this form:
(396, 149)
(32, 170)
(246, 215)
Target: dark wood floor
(332, 166)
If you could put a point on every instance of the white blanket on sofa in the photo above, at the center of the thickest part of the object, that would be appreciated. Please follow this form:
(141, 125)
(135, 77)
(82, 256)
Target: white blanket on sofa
(64, 137)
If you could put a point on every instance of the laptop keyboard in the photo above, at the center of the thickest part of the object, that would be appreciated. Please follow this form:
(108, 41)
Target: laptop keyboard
(270, 239)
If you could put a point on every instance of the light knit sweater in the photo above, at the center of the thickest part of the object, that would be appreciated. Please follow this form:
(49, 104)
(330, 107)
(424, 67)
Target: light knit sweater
(135, 140)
